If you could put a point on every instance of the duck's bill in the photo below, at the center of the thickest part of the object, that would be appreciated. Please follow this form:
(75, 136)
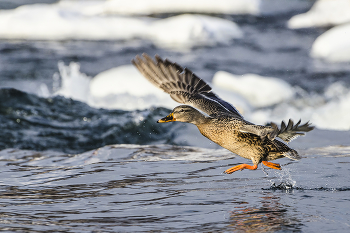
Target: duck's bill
(168, 118)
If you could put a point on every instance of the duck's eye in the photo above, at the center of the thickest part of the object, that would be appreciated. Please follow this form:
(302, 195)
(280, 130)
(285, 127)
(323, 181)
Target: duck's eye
(181, 110)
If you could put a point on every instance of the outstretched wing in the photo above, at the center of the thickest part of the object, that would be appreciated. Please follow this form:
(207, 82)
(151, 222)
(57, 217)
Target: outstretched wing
(290, 132)
(183, 85)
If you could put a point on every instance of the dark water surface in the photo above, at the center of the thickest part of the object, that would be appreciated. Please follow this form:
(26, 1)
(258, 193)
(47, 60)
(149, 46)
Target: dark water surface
(167, 188)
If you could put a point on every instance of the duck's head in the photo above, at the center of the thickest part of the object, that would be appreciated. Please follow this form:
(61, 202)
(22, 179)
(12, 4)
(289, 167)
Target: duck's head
(183, 113)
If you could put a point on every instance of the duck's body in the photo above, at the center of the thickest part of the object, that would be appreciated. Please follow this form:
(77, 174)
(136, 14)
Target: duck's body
(223, 132)
(218, 120)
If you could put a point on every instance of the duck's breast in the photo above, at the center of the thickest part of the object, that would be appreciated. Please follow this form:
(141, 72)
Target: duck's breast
(226, 135)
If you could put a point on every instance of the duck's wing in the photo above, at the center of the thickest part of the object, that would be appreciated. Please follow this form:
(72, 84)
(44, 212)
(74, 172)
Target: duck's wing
(290, 132)
(183, 85)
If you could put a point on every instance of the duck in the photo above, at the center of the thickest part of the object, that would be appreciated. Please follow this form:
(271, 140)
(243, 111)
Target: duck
(217, 119)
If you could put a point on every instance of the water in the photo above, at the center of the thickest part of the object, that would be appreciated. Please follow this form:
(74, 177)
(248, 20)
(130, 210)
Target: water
(170, 188)
(92, 163)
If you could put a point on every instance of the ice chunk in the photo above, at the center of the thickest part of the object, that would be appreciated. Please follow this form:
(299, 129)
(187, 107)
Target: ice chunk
(186, 31)
(327, 110)
(125, 88)
(259, 91)
(59, 22)
(51, 22)
(333, 45)
(323, 13)
(150, 7)
(147, 7)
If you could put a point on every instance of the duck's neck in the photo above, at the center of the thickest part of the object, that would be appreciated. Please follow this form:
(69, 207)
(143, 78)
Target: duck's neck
(198, 118)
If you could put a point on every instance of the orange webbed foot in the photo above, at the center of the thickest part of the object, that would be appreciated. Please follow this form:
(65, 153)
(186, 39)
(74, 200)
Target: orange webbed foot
(272, 165)
(240, 167)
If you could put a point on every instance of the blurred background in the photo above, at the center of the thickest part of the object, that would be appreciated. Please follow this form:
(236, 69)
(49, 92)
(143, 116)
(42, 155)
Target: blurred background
(272, 59)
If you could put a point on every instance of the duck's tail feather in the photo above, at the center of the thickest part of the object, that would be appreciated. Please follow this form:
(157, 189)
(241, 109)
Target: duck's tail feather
(292, 154)
(285, 150)
(290, 132)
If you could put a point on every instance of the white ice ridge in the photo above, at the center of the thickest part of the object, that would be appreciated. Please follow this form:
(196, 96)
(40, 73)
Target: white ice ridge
(333, 45)
(60, 22)
(323, 13)
(150, 7)
(257, 90)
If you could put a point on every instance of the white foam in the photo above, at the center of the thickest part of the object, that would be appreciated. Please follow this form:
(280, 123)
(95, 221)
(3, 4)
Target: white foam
(323, 13)
(333, 45)
(68, 21)
(74, 84)
(259, 91)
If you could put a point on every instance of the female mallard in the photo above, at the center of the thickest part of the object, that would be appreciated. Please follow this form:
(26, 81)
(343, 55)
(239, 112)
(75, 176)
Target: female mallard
(218, 120)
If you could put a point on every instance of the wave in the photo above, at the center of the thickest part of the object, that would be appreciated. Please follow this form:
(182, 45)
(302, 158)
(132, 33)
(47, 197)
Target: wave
(62, 124)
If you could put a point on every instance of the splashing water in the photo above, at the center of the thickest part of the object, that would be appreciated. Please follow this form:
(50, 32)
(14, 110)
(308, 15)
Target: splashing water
(74, 84)
(285, 180)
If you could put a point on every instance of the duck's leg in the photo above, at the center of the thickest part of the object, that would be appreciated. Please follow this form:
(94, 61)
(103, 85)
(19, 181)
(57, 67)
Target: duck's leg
(240, 167)
(272, 165)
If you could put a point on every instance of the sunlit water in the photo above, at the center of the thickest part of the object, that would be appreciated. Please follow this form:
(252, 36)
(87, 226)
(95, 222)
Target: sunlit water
(69, 167)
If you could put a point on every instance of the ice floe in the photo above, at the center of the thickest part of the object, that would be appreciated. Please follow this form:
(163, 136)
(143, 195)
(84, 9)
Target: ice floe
(125, 88)
(323, 13)
(51, 22)
(327, 110)
(186, 31)
(333, 45)
(259, 91)
(59, 22)
(149, 7)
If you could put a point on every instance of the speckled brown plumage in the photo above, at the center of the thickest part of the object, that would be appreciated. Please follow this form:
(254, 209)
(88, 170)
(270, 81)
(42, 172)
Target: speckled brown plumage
(216, 119)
